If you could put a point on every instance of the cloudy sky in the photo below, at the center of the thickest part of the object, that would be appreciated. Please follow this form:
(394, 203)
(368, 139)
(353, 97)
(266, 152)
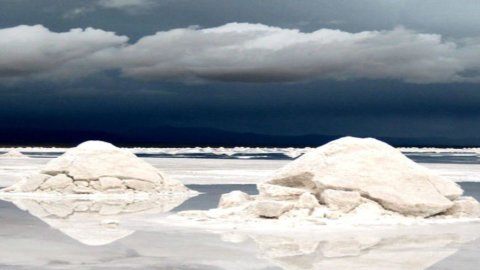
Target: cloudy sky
(400, 69)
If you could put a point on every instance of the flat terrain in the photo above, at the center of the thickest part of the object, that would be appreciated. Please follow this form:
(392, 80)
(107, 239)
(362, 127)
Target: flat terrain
(119, 235)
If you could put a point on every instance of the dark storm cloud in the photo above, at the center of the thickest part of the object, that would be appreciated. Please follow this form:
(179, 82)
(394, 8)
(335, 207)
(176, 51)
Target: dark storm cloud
(362, 108)
(405, 69)
(239, 52)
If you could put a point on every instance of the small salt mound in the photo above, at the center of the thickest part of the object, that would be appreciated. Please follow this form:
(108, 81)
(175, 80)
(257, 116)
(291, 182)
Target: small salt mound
(14, 153)
(353, 180)
(98, 167)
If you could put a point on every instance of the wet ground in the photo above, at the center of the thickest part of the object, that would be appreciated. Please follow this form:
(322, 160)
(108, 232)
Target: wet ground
(118, 235)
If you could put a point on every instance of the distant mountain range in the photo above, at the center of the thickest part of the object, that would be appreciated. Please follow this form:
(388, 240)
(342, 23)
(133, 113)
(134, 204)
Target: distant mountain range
(167, 136)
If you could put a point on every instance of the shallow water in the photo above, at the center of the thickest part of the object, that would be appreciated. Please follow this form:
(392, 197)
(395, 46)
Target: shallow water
(448, 157)
(56, 241)
(116, 235)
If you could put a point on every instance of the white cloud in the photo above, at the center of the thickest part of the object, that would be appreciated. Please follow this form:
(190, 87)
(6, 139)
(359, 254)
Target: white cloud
(241, 53)
(35, 51)
(257, 53)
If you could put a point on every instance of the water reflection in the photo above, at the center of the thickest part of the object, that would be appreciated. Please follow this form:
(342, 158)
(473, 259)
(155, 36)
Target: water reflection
(124, 235)
(95, 222)
(412, 248)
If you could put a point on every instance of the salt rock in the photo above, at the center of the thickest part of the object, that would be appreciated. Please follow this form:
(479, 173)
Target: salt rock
(233, 199)
(279, 192)
(139, 185)
(307, 200)
(375, 170)
(110, 183)
(448, 188)
(33, 182)
(465, 207)
(94, 167)
(57, 182)
(370, 211)
(344, 201)
(272, 209)
(95, 185)
(81, 183)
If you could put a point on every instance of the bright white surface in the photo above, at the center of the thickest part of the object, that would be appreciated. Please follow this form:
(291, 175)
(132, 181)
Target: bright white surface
(142, 242)
(29, 243)
(372, 167)
(220, 171)
(457, 172)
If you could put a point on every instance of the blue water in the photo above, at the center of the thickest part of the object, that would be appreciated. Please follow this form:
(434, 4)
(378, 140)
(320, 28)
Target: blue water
(471, 189)
(257, 156)
(448, 158)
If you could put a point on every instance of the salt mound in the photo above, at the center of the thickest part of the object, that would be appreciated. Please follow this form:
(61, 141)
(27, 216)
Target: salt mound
(353, 180)
(14, 153)
(373, 169)
(98, 167)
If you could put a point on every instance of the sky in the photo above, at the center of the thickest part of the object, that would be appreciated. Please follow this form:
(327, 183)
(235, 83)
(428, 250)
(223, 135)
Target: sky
(203, 72)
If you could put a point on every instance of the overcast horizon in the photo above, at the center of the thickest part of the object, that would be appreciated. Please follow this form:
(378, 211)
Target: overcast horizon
(121, 69)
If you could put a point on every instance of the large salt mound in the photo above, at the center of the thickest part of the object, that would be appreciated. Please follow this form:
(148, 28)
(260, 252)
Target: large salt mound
(98, 167)
(353, 180)
(375, 170)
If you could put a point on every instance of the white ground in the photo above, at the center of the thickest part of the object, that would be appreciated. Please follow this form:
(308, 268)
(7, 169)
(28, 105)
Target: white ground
(219, 171)
(149, 244)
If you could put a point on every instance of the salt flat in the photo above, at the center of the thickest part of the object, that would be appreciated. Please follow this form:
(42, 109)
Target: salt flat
(187, 170)
(220, 171)
(115, 235)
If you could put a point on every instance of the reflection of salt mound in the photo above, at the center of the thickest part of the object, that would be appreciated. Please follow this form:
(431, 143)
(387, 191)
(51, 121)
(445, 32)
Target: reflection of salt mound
(14, 153)
(353, 180)
(95, 223)
(98, 167)
(412, 248)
